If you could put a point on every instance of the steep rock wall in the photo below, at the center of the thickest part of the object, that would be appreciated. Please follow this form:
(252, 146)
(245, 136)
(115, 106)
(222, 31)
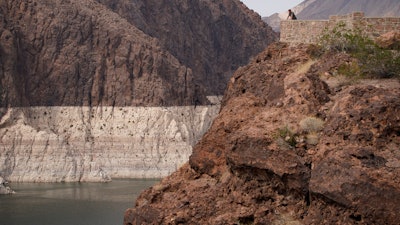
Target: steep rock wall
(63, 144)
(74, 53)
(150, 53)
(213, 38)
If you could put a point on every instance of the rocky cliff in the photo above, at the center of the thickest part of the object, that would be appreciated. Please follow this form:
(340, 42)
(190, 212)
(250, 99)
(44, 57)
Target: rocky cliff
(100, 89)
(67, 144)
(149, 53)
(292, 144)
(74, 53)
(213, 38)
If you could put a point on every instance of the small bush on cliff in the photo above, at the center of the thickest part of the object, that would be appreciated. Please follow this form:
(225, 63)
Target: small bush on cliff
(287, 136)
(311, 126)
(371, 60)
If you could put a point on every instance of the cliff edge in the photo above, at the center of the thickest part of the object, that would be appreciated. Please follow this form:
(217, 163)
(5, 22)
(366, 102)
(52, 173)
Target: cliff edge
(292, 145)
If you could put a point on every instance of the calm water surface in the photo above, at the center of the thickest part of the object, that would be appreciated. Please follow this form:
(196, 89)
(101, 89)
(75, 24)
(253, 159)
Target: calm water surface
(70, 203)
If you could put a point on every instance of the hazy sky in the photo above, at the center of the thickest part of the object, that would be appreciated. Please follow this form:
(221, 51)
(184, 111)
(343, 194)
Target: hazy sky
(268, 7)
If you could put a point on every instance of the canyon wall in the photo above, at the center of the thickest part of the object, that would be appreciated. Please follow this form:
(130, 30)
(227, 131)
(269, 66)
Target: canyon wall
(63, 144)
(213, 38)
(92, 90)
(74, 53)
(67, 53)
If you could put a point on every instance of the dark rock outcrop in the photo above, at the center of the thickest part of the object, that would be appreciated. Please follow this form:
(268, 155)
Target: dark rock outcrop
(4, 188)
(246, 170)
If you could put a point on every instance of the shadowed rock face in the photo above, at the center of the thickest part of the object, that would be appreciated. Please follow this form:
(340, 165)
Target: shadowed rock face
(75, 53)
(213, 38)
(245, 171)
(148, 53)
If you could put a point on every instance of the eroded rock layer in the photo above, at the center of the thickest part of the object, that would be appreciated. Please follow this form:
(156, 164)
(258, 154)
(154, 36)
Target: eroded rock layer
(54, 144)
(264, 162)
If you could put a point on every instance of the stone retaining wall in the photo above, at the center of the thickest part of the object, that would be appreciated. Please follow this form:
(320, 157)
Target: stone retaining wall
(308, 31)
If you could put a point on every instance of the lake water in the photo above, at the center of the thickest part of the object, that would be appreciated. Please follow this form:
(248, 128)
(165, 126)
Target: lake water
(70, 203)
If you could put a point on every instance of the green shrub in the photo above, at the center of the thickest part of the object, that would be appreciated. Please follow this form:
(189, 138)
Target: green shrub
(372, 60)
(315, 51)
(311, 126)
(312, 139)
(351, 70)
(287, 135)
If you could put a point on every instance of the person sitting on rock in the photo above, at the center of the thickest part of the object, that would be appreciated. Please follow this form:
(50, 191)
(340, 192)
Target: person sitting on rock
(291, 15)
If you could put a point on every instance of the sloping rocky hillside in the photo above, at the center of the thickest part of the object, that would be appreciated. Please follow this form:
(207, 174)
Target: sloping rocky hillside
(292, 145)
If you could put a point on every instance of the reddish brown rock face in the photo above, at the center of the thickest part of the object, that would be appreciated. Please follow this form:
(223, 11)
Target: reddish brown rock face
(245, 170)
(357, 164)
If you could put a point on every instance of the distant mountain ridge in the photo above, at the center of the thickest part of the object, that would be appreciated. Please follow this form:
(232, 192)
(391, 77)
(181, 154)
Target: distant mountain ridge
(322, 9)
